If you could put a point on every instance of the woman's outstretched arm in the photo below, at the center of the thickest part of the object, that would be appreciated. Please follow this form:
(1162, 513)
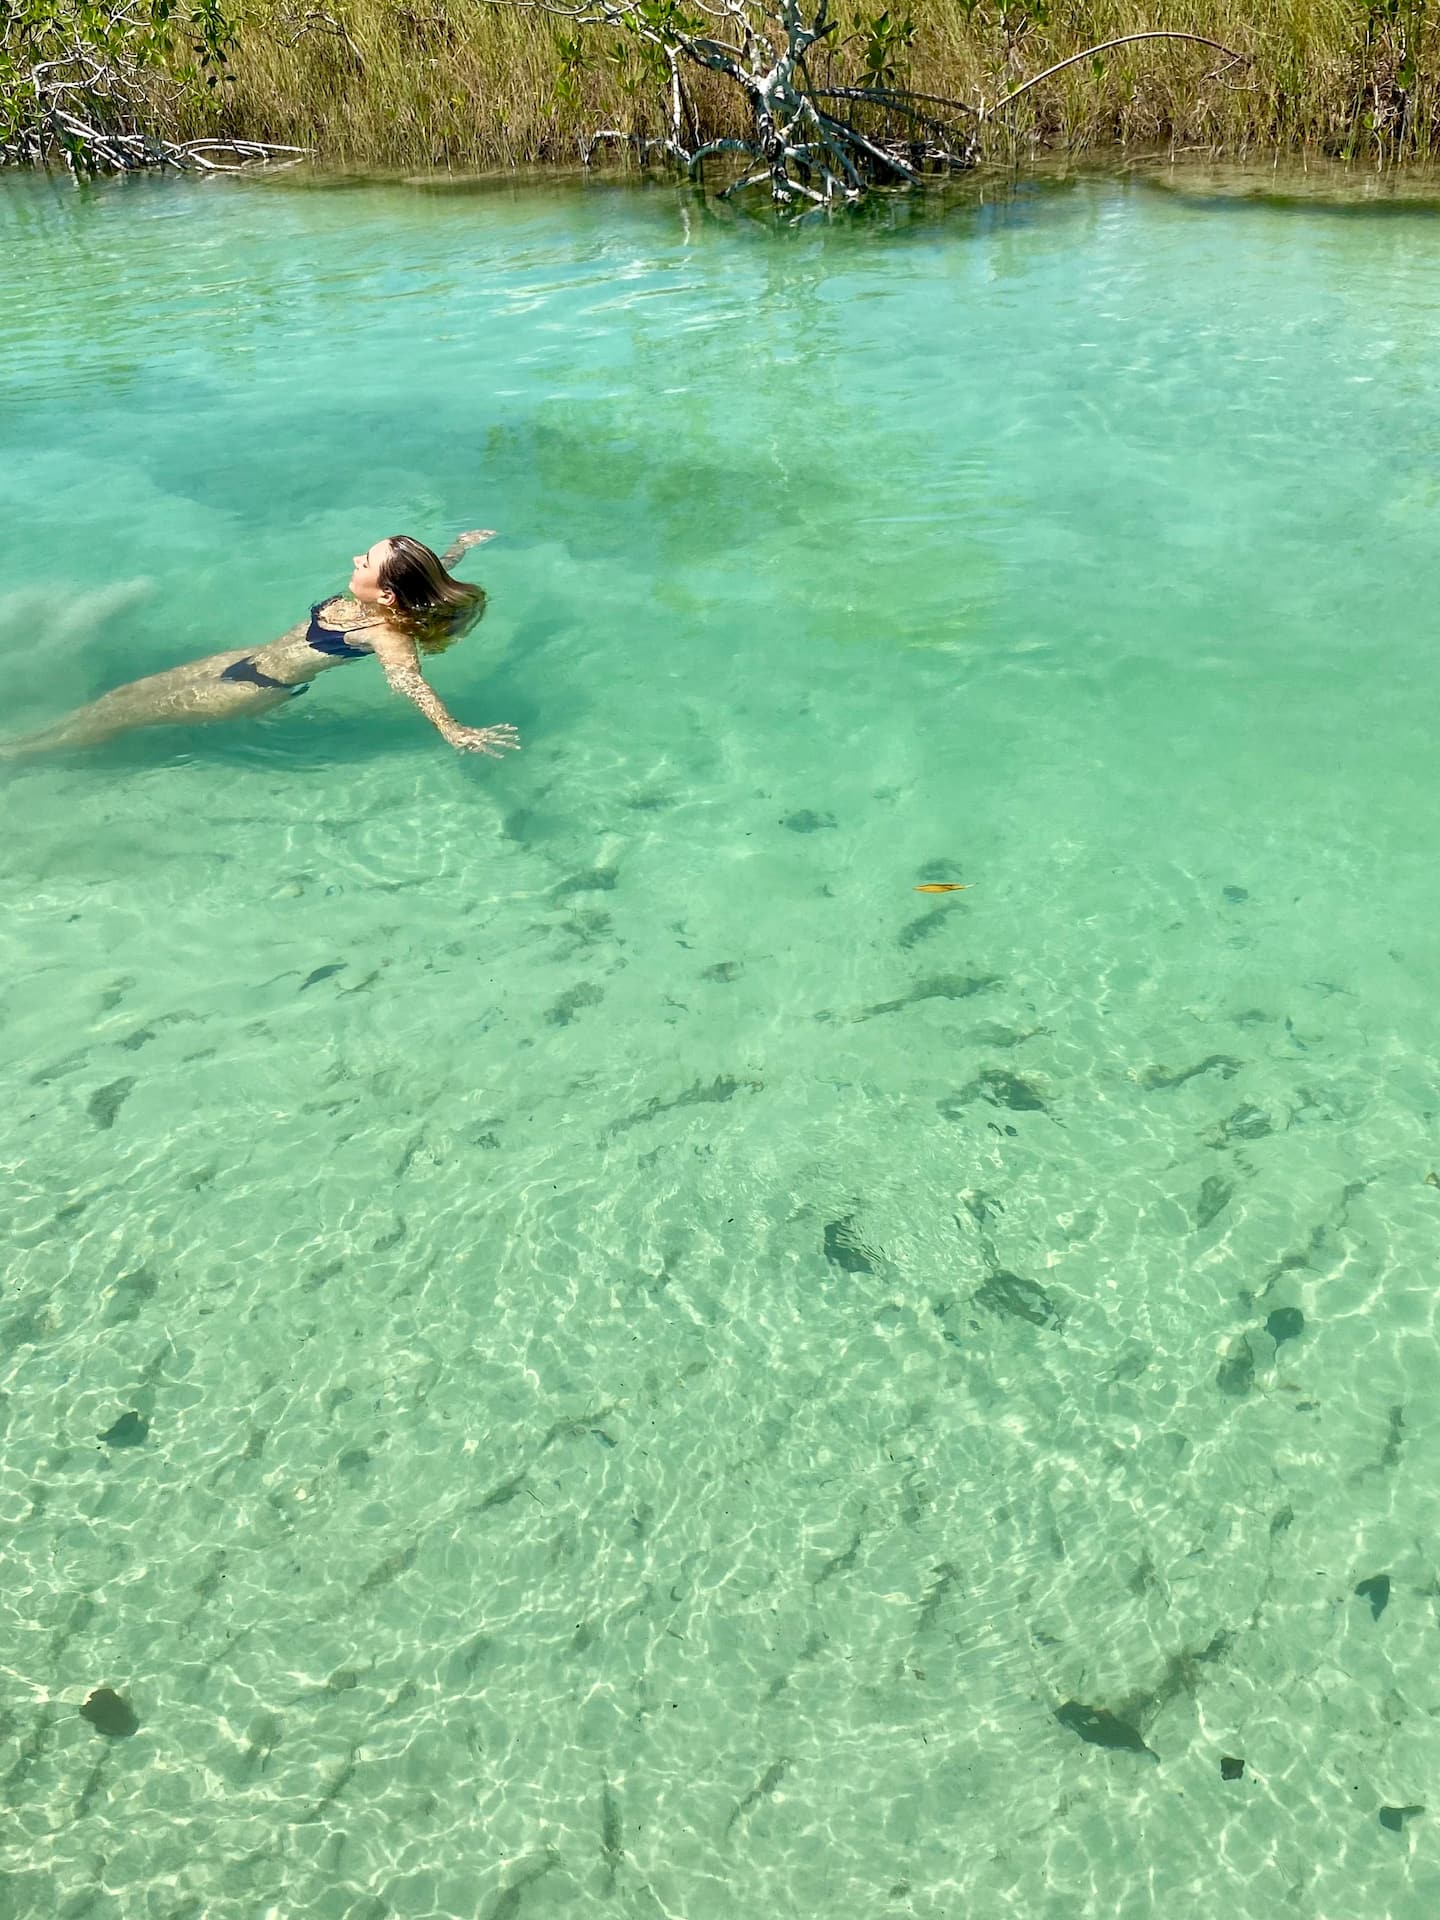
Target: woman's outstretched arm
(398, 656)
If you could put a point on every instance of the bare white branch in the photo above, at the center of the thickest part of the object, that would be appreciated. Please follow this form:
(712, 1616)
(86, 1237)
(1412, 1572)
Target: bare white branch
(1123, 40)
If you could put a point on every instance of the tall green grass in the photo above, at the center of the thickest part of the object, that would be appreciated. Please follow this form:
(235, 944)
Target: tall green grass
(464, 85)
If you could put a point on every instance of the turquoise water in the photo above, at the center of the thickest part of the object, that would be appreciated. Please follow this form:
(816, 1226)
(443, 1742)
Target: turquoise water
(656, 1408)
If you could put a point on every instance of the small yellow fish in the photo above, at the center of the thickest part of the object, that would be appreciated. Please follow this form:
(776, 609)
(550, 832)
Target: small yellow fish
(945, 886)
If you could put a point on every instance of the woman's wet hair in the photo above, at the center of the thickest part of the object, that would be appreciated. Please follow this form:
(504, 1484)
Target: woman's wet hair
(431, 606)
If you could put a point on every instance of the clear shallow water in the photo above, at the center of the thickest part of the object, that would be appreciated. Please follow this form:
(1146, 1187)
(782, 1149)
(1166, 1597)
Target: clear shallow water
(668, 1356)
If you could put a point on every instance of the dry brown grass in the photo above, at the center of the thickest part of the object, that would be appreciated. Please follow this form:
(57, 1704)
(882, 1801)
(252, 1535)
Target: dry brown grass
(464, 85)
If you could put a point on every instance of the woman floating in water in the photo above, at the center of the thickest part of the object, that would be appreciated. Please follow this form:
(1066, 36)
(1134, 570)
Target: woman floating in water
(401, 603)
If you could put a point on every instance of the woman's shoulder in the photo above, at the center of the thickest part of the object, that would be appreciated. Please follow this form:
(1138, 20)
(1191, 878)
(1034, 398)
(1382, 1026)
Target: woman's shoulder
(388, 640)
(340, 610)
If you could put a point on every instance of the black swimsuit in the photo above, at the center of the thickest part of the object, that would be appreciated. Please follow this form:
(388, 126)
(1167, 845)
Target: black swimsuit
(323, 639)
(248, 671)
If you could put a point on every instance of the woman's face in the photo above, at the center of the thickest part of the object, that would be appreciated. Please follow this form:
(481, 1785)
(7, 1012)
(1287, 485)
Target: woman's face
(365, 580)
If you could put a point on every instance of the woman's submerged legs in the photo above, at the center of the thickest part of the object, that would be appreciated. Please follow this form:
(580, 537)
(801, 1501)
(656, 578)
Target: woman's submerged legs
(185, 696)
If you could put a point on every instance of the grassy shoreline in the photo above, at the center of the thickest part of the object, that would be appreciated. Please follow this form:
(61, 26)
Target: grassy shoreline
(436, 84)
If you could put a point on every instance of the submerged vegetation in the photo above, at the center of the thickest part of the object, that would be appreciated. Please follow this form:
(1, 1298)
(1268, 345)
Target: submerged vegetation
(472, 84)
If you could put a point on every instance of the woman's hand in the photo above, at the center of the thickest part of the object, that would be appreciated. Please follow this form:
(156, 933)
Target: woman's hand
(473, 538)
(492, 740)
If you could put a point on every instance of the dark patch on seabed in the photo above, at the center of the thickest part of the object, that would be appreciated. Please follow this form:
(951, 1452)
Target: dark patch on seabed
(938, 986)
(1156, 1079)
(130, 1430)
(839, 1562)
(946, 1578)
(27, 1327)
(1215, 1196)
(130, 1294)
(1310, 1257)
(766, 1785)
(612, 1845)
(85, 1800)
(1377, 1591)
(73, 1062)
(1002, 1291)
(105, 1103)
(390, 1568)
(1394, 1818)
(509, 1902)
(109, 1714)
(264, 1735)
(1246, 1352)
(1120, 1730)
(563, 1010)
(1285, 1323)
(914, 931)
(1236, 1373)
(990, 1033)
(1245, 1123)
(339, 1780)
(1000, 1089)
(112, 996)
(844, 1248)
(596, 880)
(1101, 1728)
(702, 1093)
(1021, 1299)
(501, 1495)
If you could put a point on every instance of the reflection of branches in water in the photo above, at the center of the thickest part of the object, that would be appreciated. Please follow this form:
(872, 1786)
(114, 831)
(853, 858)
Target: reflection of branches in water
(814, 145)
(880, 213)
